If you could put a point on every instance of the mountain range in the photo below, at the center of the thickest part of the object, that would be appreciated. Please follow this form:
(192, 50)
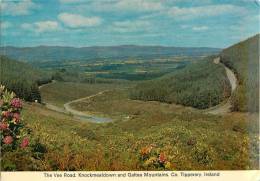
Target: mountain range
(59, 53)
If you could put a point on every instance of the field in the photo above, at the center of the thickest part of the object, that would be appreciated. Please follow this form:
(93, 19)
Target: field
(59, 93)
(134, 69)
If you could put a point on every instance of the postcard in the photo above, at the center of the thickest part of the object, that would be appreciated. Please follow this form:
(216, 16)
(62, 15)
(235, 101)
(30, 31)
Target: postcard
(129, 89)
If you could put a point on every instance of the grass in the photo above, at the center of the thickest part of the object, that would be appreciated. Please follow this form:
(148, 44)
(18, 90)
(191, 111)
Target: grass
(116, 104)
(59, 93)
(190, 141)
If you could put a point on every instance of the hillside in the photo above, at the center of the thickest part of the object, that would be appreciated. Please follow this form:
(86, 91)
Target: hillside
(201, 84)
(189, 141)
(54, 93)
(22, 78)
(56, 53)
(243, 59)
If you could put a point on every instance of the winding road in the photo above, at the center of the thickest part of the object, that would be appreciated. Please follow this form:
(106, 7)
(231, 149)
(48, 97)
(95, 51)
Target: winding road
(76, 114)
(224, 107)
(220, 109)
(82, 115)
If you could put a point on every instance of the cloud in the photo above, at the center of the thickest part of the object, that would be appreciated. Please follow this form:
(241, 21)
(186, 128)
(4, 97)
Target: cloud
(194, 28)
(200, 28)
(15, 8)
(131, 26)
(41, 26)
(79, 21)
(72, 1)
(139, 5)
(5, 24)
(203, 11)
(124, 5)
(45, 26)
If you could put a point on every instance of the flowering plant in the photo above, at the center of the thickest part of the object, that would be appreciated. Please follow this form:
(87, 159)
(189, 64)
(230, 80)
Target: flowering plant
(150, 156)
(11, 121)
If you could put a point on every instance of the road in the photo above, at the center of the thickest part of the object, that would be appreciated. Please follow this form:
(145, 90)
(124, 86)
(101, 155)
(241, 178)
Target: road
(76, 114)
(220, 109)
(224, 108)
(82, 115)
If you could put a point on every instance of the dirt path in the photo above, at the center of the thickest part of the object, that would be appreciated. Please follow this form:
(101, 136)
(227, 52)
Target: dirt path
(51, 106)
(82, 115)
(225, 106)
(43, 85)
(76, 114)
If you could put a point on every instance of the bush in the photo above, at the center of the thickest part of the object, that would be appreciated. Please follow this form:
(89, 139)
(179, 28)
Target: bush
(11, 122)
(15, 142)
(151, 157)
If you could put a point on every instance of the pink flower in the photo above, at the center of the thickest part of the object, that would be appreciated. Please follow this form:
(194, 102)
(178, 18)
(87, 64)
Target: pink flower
(162, 158)
(16, 103)
(8, 140)
(3, 126)
(25, 143)
(16, 117)
(6, 114)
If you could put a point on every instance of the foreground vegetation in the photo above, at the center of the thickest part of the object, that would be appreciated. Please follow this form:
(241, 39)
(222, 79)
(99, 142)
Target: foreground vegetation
(144, 135)
(243, 59)
(201, 85)
(155, 138)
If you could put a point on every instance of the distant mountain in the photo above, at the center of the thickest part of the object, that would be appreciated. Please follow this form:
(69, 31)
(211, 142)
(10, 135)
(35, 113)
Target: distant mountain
(58, 53)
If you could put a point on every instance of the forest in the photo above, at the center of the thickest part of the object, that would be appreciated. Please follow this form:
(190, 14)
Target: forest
(22, 78)
(243, 59)
(201, 84)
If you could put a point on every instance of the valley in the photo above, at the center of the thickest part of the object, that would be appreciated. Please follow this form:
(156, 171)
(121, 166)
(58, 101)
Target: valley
(123, 113)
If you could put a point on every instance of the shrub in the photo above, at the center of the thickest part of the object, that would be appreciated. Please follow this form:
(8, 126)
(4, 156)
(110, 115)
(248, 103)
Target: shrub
(11, 122)
(13, 134)
(152, 157)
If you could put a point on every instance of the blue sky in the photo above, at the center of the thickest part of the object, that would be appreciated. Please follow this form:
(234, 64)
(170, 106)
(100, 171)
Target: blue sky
(186, 23)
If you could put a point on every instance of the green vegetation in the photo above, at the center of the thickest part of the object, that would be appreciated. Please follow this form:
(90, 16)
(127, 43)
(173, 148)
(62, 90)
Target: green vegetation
(115, 70)
(188, 140)
(243, 59)
(147, 133)
(22, 78)
(58, 93)
(201, 84)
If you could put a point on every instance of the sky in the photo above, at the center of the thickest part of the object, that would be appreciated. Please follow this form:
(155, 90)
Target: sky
(80, 23)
